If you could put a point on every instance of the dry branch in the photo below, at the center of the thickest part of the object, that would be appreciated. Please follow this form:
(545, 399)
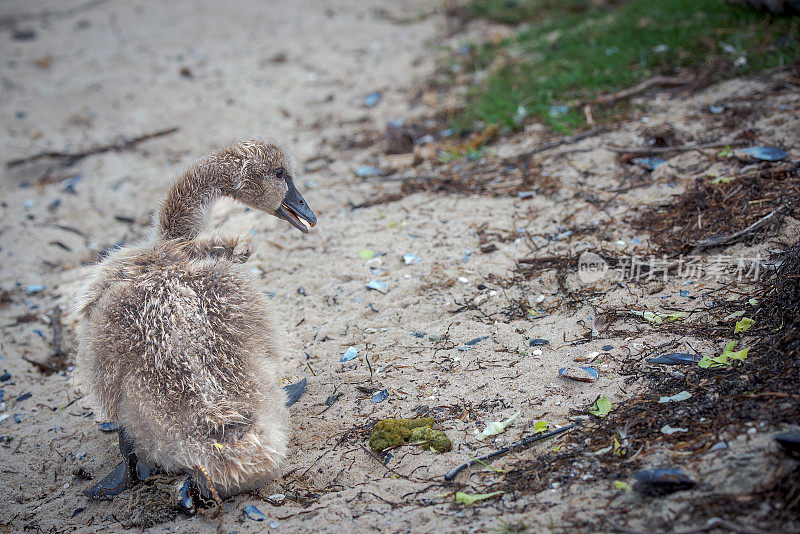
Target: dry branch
(658, 81)
(728, 239)
(70, 158)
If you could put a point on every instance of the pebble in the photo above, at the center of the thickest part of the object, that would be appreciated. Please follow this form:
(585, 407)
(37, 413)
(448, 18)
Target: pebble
(380, 396)
(583, 374)
(372, 99)
(349, 354)
(254, 513)
(378, 285)
(34, 288)
(659, 482)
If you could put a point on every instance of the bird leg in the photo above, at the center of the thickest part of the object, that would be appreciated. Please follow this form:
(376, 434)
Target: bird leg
(217, 500)
(194, 497)
(127, 474)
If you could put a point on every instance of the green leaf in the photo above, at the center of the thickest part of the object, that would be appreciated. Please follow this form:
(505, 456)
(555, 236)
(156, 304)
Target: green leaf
(743, 325)
(366, 254)
(722, 359)
(620, 485)
(601, 407)
(724, 153)
(466, 498)
(736, 355)
(618, 450)
(677, 316)
(652, 317)
(752, 302)
(540, 427)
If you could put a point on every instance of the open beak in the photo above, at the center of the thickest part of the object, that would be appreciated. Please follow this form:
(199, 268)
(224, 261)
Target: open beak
(295, 210)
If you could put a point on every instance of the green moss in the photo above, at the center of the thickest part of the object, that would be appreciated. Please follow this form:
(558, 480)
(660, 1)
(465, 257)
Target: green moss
(435, 439)
(576, 50)
(393, 432)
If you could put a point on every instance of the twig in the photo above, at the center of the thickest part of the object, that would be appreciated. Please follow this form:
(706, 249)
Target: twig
(58, 351)
(86, 6)
(522, 444)
(563, 141)
(649, 150)
(57, 358)
(727, 239)
(641, 87)
(70, 158)
(646, 150)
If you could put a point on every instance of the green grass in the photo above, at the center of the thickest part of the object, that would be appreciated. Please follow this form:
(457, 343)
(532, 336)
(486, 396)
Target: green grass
(576, 50)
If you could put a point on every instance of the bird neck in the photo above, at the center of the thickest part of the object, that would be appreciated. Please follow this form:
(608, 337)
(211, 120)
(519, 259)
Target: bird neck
(185, 210)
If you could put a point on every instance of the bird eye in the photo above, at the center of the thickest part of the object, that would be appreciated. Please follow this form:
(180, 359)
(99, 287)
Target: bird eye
(280, 173)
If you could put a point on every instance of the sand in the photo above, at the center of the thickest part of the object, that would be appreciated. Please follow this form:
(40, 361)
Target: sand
(299, 72)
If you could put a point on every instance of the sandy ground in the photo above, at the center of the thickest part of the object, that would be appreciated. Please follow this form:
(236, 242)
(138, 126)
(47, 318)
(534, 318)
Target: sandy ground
(299, 71)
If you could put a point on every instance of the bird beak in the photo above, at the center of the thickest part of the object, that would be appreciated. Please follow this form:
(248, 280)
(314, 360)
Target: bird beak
(295, 210)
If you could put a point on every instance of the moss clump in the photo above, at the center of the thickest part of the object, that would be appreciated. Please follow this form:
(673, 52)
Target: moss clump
(435, 439)
(153, 502)
(393, 432)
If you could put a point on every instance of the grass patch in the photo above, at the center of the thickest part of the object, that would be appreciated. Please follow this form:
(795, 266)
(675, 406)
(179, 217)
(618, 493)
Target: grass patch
(576, 50)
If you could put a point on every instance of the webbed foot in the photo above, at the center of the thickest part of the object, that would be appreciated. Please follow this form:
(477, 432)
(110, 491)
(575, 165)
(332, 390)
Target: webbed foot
(195, 498)
(127, 474)
(189, 497)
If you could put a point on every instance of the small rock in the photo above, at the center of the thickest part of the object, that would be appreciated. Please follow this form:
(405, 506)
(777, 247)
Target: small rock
(372, 99)
(107, 426)
(476, 340)
(650, 164)
(34, 288)
(676, 358)
(254, 513)
(583, 374)
(659, 482)
(378, 285)
(277, 499)
(380, 396)
(349, 354)
(365, 171)
(790, 442)
(764, 153)
(683, 395)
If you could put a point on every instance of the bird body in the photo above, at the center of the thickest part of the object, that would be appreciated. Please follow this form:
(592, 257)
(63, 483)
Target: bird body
(176, 339)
